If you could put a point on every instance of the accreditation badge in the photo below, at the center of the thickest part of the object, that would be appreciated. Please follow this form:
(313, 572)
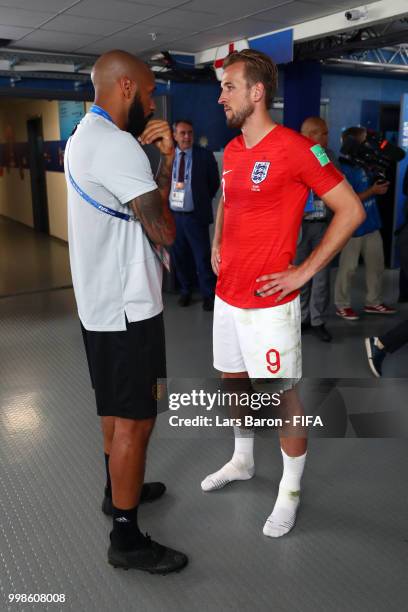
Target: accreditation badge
(319, 209)
(177, 195)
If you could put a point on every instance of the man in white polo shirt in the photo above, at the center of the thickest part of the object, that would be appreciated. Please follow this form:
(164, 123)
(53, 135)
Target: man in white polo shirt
(117, 213)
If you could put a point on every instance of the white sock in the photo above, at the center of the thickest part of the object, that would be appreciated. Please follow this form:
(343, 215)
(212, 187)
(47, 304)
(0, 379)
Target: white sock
(241, 466)
(283, 516)
(378, 343)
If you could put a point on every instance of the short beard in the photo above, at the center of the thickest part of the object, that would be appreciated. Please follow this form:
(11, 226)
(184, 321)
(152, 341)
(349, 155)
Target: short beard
(136, 117)
(238, 119)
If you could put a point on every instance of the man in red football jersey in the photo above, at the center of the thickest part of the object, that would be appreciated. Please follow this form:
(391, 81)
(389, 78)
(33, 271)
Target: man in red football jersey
(267, 175)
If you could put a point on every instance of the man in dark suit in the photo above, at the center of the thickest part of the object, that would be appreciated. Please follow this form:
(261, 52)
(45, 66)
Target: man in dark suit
(195, 182)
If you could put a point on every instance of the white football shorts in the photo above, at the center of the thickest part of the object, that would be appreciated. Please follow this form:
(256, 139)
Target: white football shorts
(265, 342)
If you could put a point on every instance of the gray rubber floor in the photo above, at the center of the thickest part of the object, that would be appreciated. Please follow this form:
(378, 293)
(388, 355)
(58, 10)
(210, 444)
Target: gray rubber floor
(29, 261)
(348, 551)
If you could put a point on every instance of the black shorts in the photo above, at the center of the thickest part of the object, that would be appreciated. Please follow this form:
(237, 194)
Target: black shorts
(124, 368)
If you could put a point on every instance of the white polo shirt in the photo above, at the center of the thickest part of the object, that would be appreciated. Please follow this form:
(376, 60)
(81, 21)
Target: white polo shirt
(114, 269)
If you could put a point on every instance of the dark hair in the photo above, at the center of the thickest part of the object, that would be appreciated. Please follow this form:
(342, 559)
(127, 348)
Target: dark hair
(259, 68)
(175, 124)
(353, 132)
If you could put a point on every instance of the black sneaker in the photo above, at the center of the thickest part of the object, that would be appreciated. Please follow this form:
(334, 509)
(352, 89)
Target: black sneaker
(151, 557)
(150, 492)
(208, 304)
(184, 300)
(375, 356)
(321, 332)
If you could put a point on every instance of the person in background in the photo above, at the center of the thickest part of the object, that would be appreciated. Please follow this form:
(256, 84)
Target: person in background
(315, 295)
(366, 241)
(377, 348)
(195, 181)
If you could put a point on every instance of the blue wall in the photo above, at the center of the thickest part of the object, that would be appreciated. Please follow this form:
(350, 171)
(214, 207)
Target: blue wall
(346, 94)
(302, 86)
(198, 102)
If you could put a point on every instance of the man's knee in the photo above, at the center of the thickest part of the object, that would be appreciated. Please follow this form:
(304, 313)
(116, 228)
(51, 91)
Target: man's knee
(351, 269)
(131, 430)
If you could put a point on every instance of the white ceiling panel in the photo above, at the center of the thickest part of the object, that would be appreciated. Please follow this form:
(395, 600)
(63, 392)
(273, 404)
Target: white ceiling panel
(296, 12)
(98, 48)
(193, 44)
(48, 6)
(23, 18)
(165, 30)
(162, 3)
(13, 32)
(61, 41)
(164, 40)
(133, 39)
(339, 4)
(58, 47)
(200, 42)
(81, 25)
(136, 45)
(114, 9)
(236, 9)
(192, 21)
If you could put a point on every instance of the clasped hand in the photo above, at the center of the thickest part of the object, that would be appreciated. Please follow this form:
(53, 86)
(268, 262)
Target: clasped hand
(158, 132)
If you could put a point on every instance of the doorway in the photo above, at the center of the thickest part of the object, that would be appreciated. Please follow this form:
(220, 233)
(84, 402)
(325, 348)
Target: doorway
(37, 171)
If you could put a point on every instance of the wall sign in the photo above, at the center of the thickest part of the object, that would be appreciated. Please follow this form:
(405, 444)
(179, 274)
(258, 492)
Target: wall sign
(70, 113)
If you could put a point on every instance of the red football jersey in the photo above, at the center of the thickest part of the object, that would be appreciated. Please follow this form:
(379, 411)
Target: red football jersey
(265, 189)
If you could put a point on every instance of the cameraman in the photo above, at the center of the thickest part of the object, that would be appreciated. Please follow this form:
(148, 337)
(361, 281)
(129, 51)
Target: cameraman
(366, 241)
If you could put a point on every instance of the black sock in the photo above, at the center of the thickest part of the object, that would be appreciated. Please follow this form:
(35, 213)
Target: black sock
(126, 533)
(108, 486)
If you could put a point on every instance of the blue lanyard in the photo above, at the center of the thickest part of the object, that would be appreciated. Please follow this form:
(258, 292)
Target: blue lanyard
(87, 198)
(159, 251)
(97, 110)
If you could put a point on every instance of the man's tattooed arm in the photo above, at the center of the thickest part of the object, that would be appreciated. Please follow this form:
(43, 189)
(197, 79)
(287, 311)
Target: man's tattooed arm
(154, 214)
(152, 209)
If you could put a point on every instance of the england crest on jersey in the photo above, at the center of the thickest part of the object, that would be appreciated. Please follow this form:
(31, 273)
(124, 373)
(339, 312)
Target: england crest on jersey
(260, 171)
